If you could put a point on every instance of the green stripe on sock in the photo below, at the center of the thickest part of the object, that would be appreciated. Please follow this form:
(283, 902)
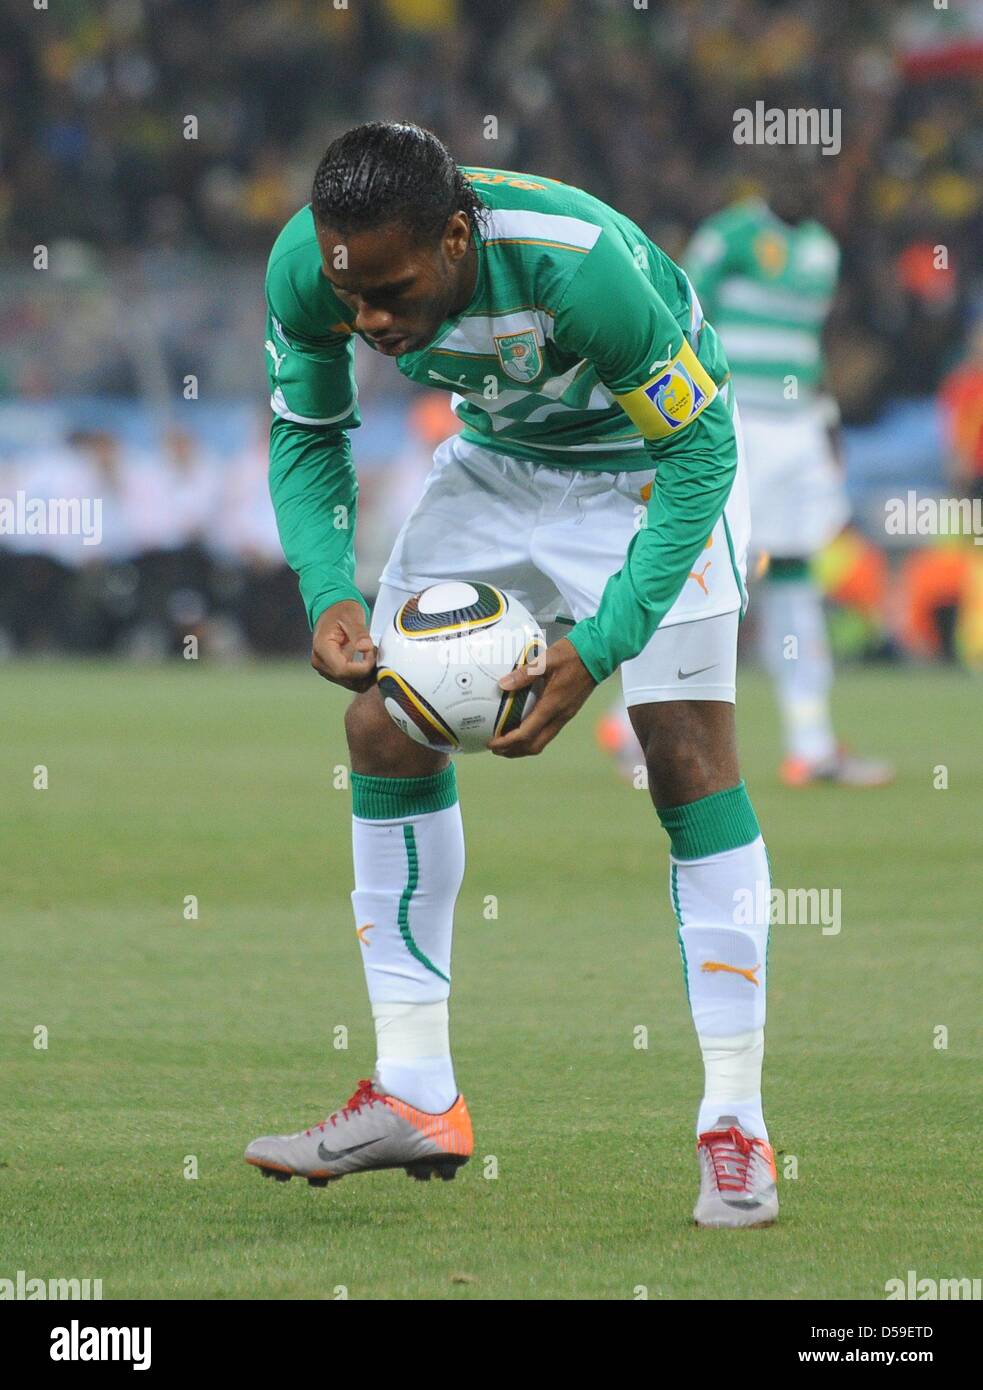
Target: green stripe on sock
(724, 820)
(403, 916)
(674, 879)
(682, 957)
(393, 798)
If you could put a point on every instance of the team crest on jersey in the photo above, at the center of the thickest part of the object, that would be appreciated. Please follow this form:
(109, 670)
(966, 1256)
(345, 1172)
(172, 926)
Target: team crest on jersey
(675, 395)
(519, 355)
(771, 251)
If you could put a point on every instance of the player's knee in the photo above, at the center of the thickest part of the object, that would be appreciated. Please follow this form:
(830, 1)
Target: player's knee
(689, 750)
(679, 769)
(378, 748)
(369, 740)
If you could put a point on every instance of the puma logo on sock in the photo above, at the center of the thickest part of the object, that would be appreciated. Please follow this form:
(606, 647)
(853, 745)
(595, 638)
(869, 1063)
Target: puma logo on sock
(711, 966)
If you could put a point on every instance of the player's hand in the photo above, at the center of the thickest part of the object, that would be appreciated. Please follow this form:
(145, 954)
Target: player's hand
(342, 650)
(566, 685)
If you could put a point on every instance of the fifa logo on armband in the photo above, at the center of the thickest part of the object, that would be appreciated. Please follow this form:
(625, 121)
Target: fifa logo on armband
(676, 396)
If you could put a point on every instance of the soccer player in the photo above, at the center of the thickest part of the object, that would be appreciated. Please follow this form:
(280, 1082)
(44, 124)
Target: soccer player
(766, 274)
(598, 477)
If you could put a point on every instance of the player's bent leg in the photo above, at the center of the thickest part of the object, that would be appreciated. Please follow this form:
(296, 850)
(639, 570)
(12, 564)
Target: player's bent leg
(408, 847)
(379, 749)
(720, 893)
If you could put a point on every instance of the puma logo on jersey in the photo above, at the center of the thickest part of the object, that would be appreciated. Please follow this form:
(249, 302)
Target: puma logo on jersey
(278, 357)
(701, 577)
(436, 376)
(360, 933)
(662, 362)
(712, 966)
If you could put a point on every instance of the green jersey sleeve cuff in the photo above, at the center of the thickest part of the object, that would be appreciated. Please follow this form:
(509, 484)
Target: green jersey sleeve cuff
(340, 593)
(590, 647)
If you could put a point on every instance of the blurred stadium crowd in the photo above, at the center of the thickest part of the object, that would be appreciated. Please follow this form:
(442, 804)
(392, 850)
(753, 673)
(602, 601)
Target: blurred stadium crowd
(156, 241)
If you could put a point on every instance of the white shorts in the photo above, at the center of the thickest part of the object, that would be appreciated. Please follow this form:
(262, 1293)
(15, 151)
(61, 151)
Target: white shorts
(798, 497)
(553, 537)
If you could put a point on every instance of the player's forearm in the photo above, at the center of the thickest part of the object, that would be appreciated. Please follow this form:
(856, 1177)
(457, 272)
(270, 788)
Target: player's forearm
(314, 492)
(688, 497)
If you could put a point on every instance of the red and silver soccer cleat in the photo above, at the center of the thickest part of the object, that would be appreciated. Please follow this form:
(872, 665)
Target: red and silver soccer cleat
(737, 1178)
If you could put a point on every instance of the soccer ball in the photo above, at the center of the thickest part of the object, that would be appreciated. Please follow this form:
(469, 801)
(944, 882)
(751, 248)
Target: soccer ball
(441, 658)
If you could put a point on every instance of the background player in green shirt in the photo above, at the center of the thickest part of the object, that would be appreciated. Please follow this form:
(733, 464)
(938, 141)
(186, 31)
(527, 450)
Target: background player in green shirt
(598, 476)
(766, 273)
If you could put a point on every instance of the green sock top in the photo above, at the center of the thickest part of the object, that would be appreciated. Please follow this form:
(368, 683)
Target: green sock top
(715, 823)
(395, 798)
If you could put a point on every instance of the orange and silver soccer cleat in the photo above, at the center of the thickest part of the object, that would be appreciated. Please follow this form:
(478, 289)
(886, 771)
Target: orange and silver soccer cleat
(843, 769)
(373, 1130)
(738, 1182)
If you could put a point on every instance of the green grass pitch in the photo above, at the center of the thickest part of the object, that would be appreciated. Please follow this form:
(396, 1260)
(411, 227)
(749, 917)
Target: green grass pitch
(170, 1039)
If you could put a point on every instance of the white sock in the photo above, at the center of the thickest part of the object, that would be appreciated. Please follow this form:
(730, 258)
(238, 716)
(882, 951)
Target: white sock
(414, 1055)
(801, 669)
(408, 848)
(722, 904)
(732, 1086)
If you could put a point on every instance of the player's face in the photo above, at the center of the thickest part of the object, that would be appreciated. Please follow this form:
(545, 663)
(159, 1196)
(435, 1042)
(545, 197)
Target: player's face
(401, 291)
(795, 197)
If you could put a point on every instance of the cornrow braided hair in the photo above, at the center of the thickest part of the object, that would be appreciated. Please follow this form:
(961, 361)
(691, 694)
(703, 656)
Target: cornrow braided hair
(391, 172)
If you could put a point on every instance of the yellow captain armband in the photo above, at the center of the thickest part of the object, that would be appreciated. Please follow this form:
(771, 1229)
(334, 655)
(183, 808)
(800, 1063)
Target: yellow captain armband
(670, 400)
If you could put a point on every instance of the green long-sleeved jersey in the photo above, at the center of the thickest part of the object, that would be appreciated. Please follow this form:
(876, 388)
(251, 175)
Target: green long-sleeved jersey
(583, 347)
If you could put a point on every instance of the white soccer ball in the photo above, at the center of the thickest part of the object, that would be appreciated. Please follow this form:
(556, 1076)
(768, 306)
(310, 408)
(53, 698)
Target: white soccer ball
(442, 656)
